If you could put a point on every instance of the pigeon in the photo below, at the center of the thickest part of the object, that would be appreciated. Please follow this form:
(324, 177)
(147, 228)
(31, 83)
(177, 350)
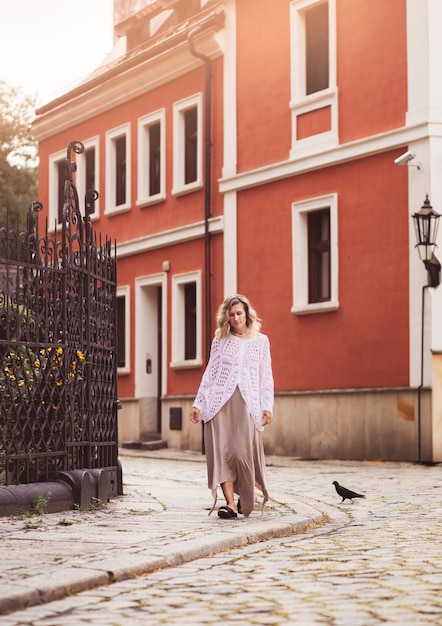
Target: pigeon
(346, 494)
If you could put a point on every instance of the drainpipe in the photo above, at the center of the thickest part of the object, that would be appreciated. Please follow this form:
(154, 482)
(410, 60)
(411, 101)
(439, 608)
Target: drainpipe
(420, 388)
(207, 184)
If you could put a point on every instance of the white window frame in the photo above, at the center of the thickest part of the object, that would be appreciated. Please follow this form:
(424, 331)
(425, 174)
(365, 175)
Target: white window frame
(178, 318)
(143, 179)
(93, 142)
(300, 211)
(111, 136)
(300, 102)
(179, 108)
(54, 160)
(124, 291)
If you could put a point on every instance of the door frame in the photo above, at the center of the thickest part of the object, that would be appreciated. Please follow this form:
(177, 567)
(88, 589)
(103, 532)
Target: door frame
(146, 308)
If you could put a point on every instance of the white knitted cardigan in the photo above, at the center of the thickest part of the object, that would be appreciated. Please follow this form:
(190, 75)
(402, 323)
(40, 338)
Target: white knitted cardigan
(243, 363)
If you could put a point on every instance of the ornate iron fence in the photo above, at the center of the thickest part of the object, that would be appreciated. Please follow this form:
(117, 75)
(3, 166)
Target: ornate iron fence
(58, 376)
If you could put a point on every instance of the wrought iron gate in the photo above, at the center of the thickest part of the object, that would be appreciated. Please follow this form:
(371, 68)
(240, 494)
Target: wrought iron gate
(58, 376)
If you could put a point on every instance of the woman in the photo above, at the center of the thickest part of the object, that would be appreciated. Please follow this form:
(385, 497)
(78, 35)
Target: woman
(235, 400)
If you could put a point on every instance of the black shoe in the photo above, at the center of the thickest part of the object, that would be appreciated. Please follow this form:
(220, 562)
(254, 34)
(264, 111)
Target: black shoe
(226, 512)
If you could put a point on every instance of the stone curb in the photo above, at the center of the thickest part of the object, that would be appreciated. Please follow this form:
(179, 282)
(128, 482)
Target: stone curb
(58, 583)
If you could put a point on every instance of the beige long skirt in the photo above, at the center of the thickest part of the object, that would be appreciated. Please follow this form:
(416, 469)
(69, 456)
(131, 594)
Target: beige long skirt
(235, 452)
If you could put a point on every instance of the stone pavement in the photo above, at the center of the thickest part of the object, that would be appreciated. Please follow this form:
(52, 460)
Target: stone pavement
(162, 520)
(373, 562)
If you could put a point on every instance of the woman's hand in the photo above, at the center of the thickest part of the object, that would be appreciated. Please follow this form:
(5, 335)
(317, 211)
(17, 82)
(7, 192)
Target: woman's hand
(194, 415)
(266, 418)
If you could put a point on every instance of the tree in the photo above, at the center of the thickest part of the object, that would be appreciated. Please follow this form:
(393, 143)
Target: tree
(18, 170)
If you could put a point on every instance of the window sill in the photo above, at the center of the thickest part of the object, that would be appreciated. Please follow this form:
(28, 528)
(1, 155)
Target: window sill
(316, 307)
(145, 202)
(115, 210)
(304, 104)
(186, 365)
(180, 191)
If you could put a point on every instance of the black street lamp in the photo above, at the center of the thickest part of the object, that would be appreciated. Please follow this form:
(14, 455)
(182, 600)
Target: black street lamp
(426, 223)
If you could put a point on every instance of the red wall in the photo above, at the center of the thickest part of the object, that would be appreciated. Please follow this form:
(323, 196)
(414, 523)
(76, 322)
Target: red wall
(185, 257)
(365, 342)
(173, 212)
(371, 66)
(263, 82)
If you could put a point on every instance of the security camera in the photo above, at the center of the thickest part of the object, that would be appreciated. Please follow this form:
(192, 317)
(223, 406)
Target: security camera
(405, 158)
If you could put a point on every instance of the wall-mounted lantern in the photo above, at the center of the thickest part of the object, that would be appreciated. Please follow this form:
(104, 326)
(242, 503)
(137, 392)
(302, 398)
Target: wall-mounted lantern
(426, 223)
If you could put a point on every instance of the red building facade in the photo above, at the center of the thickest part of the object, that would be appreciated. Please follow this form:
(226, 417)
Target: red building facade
(250, 147)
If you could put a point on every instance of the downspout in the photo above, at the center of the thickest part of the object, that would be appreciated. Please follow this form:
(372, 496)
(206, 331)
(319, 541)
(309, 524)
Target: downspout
(421, 386)
(207, 184)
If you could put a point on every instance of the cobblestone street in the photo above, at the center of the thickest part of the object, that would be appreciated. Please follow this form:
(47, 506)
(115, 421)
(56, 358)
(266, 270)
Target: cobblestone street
(377, 561)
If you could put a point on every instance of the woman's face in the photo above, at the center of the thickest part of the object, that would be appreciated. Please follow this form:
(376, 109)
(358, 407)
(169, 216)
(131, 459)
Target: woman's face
(238, 318)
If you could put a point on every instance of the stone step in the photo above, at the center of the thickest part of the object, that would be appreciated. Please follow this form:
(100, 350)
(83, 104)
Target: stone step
(154, 444)
(145, 436)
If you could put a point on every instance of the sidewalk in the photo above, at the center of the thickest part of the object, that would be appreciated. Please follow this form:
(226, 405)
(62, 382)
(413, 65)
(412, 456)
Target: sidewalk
(160, 521)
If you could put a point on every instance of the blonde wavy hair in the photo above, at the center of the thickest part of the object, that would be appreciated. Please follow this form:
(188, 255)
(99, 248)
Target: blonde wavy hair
(253, 322)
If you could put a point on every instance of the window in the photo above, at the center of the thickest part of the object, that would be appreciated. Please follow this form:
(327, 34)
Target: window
(61, 173)
(313, 75)
(187, 145)
(186, 320)
(316, 48)
(88, 174)
(315, 250)
(318, 226)
(118, 169)
(154, 159)
(190, 321)
(151, 158)
(123, 330)
(90, 168)
(190, 145)
(57, 172)
(121, 334)
(86, 177)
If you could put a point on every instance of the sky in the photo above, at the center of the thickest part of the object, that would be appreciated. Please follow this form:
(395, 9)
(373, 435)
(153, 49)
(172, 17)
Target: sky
(48, 46)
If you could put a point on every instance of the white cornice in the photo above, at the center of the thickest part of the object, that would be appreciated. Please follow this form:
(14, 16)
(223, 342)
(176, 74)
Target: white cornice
(169, 237)
(306, 162)
(121, 84)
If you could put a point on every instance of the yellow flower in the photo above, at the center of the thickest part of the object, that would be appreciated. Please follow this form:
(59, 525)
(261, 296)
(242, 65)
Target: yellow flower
(80, 355)
(21, 383)
(37, 363)
(60, 350)
(59, 382)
